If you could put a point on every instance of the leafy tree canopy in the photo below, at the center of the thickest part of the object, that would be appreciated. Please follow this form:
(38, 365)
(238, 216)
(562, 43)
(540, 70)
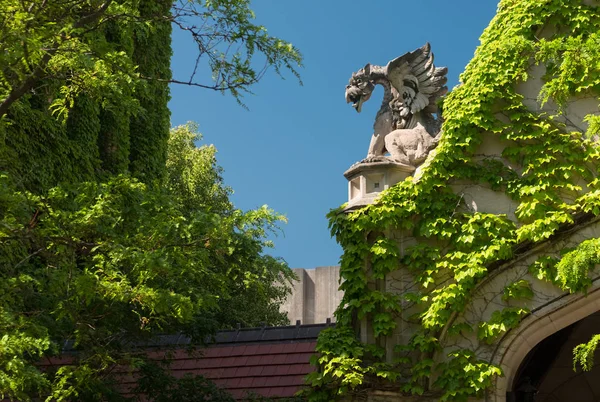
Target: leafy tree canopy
(66, 41)
(103, 266)
(112, 230)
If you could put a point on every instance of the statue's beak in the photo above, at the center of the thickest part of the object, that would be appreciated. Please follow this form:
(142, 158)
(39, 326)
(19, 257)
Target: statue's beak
(358, 104)
(353, 96)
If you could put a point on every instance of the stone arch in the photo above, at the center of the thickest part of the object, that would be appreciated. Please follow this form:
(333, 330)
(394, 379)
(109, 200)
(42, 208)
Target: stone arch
(544, 321)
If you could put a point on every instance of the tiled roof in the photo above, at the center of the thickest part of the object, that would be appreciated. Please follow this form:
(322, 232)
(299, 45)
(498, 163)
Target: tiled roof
(273, 370)
(269, 361)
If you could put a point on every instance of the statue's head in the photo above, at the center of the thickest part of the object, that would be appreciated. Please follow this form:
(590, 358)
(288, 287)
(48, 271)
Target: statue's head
(360, 87)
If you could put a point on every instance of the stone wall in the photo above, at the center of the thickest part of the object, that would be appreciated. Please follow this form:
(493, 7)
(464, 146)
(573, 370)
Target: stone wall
(315, 295)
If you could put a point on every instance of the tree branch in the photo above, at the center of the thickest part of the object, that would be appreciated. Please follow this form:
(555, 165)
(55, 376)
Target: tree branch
(28, 84)
(215, 87)
(24, 260)
(93, 17)
(16, 93)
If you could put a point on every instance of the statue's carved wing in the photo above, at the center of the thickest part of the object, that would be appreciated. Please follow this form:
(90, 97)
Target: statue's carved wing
(418, 82)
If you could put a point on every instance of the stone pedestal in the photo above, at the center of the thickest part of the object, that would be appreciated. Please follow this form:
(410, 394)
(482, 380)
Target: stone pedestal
(367, 180)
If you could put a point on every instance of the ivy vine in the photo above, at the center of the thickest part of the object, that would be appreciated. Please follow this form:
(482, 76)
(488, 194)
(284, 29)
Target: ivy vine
(550, 171)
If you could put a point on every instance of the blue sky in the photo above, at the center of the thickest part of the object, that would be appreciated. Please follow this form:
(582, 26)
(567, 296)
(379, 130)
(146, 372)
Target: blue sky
(290, 149)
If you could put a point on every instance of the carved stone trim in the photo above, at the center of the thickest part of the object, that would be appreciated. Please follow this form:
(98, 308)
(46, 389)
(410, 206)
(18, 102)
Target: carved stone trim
(359, 168)
(367, 180)
(543, 322)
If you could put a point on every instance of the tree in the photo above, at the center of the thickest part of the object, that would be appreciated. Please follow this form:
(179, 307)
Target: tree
(194, 176)
(81, 43)
(112, 230)
(104, 68)
(102, 266)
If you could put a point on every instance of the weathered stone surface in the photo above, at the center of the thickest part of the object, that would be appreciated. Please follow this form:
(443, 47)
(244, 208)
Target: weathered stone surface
(573, 112)
(315, 295)
(367, 180)
(478, 198)
(405, 126)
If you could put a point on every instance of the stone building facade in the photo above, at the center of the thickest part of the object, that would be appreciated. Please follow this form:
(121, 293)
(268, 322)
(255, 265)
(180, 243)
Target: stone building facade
(315, 295)
(535, 354)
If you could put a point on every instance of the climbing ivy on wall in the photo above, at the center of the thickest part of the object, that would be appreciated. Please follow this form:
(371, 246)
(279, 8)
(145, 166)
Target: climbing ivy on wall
(150, 127)
(553, 178)
(78, 125)
(114, 136)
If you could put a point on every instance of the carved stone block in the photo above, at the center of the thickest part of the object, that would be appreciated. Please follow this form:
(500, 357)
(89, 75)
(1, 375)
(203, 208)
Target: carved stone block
(367, 180)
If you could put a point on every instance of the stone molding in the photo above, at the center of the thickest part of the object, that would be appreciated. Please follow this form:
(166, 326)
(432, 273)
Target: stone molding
(540, 324)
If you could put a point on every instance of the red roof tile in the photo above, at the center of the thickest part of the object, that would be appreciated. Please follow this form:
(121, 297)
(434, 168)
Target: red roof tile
(273, 366)
(237, 393)
(269, 371)
(300, 369)
(275, 359)
(226, 351)
(232, 383)
(242, 371)
(281, 348)
(253, 360)
(258, 382)
(263, 350)
(251, 349)
(291, 380)
(285, 392)
(306, 347)
(274, 369)
(296, 358)
(256, 371)
(272, 382)
(245, 383)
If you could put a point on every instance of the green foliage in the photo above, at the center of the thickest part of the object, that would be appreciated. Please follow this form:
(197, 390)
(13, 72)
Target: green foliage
(156, 381)
(72, 54)
(194, 176)
(341, 354)
(583, 354)
(149, 128)
(20, 343)
(103, 265)
(501, 321)
(193, 173)
(230, 42)
(547, 169)
(574, 267)
(88, 96)
(544, 268)
(346, 363)
(106, 49)
(114, 141)
(521, 289)
(112, 230)
(464, 376)
(67, 91)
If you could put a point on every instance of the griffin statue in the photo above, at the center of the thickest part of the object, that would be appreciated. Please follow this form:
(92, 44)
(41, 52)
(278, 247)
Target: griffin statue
(406, 126)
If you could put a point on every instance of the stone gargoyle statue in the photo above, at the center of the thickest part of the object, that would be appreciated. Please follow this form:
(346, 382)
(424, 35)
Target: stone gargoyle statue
(407, 125)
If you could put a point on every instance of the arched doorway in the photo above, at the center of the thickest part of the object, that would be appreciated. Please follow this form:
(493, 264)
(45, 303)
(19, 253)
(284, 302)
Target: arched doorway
(547, 375)
(578, 315)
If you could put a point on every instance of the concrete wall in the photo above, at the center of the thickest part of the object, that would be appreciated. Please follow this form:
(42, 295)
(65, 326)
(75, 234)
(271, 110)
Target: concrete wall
(315, 295)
